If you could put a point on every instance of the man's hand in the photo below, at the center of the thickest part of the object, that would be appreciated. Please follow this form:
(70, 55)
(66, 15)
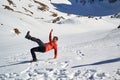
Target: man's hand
(55, 57)
(51, 30)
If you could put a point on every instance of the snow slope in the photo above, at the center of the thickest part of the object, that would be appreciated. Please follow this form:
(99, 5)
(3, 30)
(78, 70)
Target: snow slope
(88, 47)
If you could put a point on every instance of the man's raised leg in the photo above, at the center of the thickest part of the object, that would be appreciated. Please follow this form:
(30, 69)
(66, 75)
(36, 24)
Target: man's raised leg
(29, 37)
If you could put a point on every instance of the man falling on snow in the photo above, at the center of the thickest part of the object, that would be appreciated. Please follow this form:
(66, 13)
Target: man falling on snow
(43, 47)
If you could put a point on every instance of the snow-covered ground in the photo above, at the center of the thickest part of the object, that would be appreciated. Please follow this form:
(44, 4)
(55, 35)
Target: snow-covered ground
(89, 48)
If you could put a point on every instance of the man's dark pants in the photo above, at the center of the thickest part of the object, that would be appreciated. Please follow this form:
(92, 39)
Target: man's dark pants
(40, 48)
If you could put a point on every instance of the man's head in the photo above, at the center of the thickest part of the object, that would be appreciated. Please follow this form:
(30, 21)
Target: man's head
(55, 38)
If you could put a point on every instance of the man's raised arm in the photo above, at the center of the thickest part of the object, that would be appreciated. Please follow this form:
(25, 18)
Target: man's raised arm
(50, 35)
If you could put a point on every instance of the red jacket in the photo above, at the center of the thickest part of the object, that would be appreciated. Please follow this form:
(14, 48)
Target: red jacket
(52, 44)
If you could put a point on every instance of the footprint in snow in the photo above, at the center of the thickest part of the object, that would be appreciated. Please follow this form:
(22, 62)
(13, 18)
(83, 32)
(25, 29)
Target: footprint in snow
(64, 64)
(79, 54)
(118, 44)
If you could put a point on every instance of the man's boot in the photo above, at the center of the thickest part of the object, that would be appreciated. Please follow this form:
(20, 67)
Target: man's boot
(34, 60)
(28, 35)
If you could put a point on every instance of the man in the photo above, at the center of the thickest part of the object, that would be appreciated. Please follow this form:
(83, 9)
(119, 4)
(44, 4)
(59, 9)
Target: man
(43, 47)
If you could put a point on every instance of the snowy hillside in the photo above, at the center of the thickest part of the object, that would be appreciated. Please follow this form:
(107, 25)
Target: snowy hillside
(89, 46)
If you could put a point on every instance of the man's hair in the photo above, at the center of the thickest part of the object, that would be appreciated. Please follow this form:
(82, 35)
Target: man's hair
(55, 37)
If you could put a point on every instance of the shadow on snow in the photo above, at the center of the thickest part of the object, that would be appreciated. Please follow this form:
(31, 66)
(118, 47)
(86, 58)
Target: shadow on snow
(22, 62)
(99, 63)
(95, 9)
(96, 63)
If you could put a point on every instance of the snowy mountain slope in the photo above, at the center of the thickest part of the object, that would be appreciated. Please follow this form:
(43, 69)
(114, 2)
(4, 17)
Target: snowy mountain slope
(38, 9)
(88, 47)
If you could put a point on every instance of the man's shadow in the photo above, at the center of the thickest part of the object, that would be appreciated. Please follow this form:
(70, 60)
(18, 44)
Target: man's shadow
(95, 9)
(22, 62)
(99, 63)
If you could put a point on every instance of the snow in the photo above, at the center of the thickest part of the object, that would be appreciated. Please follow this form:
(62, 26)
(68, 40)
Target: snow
(88, 47)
